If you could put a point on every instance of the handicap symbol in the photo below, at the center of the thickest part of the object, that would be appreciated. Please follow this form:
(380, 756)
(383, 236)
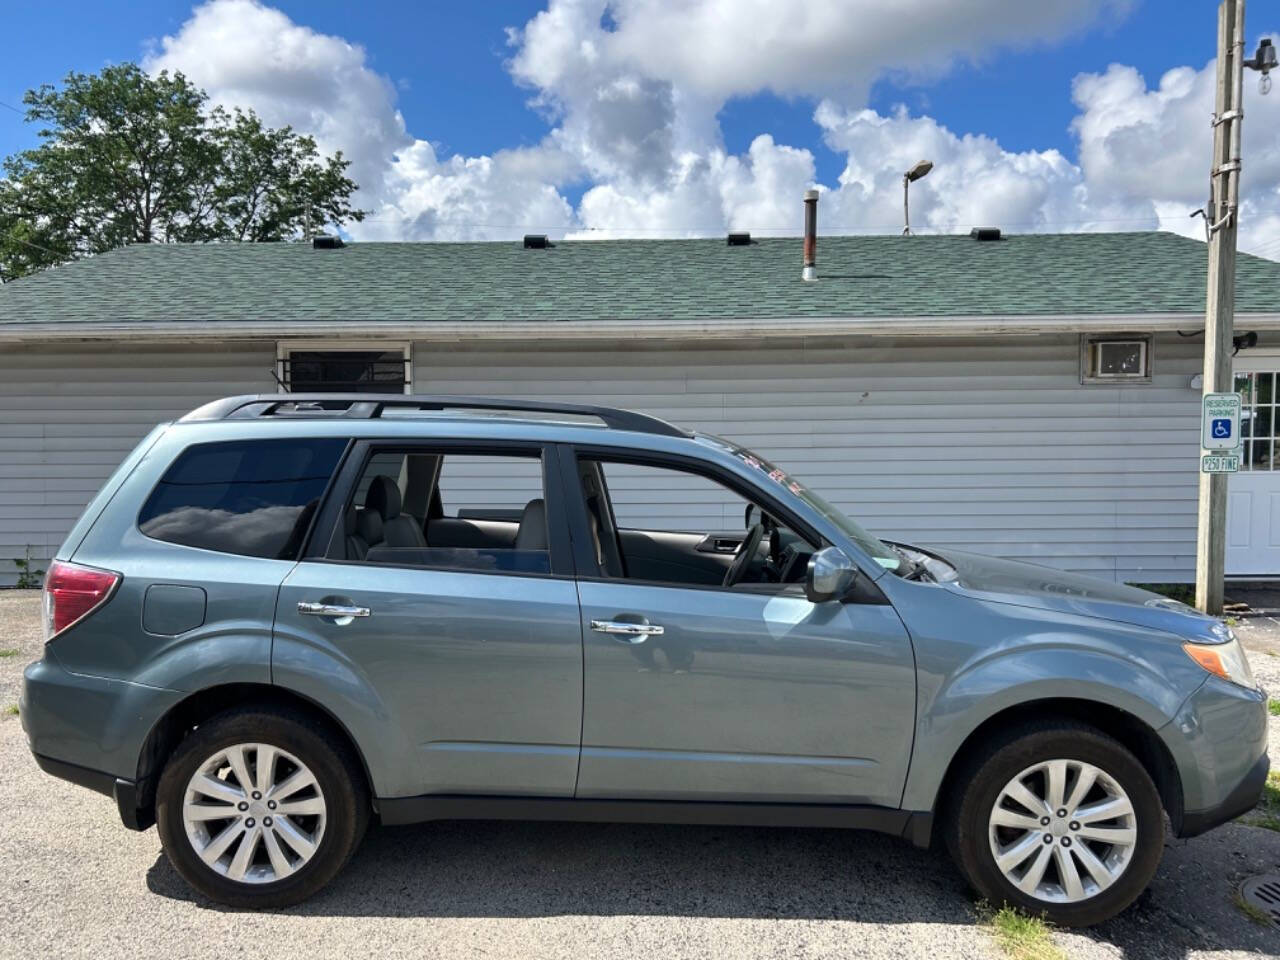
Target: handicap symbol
(1221, 429)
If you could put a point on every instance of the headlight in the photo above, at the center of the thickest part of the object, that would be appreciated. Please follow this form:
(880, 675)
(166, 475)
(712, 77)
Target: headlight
(1225, 659)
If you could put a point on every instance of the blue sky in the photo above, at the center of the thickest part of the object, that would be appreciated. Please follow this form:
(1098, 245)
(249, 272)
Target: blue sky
(447, 69)
(447, 60)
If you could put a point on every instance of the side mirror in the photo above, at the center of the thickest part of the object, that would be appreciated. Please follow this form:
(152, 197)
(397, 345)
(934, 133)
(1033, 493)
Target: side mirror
(830, 575)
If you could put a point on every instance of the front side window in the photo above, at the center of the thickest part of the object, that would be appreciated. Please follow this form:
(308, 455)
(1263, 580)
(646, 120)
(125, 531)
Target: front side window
(661, 524)
(254, 498)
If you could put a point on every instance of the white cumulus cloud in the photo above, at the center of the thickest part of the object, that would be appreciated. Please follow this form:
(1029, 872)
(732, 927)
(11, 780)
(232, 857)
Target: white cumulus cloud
(631, 90)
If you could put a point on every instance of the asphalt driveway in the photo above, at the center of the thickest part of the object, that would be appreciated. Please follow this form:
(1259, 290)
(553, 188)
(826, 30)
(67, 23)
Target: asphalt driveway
(76, 883)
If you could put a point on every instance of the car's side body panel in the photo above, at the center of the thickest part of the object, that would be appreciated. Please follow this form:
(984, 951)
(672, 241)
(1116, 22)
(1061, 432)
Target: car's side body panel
(455, 683)
(976, 658)
(744, 696)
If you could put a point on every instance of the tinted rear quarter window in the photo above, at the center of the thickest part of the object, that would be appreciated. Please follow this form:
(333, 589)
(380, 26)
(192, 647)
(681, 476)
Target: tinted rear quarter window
(254, 498)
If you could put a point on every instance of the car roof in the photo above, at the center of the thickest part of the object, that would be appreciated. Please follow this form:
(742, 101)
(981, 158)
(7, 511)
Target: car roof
(435, 417)
(357, 406)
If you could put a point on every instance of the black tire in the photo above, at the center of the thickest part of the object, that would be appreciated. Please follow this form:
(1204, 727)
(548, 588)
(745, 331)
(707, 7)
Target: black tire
(341, 783)
(978, 788)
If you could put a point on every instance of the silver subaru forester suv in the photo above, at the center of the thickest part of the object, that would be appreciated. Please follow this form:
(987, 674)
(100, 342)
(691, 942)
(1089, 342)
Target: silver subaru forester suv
(284, 616)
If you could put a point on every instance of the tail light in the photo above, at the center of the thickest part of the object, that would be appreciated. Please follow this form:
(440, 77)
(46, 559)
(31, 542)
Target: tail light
(72, 592)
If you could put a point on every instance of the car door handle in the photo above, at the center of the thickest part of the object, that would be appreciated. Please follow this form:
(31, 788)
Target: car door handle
(331, 609)
(627, 632)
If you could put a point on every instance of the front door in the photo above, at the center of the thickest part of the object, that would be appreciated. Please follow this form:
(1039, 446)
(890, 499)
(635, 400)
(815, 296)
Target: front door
(749, 692)
(1253, 497)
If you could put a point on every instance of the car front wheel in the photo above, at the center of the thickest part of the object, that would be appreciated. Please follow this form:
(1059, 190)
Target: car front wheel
(257, 809)
(1059, 820)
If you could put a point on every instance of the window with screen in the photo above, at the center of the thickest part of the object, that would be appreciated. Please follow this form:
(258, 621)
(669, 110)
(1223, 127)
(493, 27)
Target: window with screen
(1115, 359)
(255, 498)
(373, 370)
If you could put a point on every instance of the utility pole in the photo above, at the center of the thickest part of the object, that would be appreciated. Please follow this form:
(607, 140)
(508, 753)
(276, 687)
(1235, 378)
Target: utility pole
(1219, 326)
(1221, 220)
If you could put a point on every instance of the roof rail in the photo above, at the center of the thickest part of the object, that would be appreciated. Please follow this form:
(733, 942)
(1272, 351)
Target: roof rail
(369, 406)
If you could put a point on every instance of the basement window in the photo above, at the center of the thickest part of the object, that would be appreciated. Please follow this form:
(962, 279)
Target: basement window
(344, 367)
(1116, 359)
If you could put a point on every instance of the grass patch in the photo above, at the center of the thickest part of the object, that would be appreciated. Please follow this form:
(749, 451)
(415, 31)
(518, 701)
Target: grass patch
(1267, 813)
(1020, 936)
(1256, 915)
(1273, 707)
(11, 710)
(9, 652)
(1182, 592)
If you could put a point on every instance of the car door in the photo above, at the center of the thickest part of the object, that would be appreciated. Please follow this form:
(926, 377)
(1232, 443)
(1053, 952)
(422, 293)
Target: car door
(465, 663)
(697, 692)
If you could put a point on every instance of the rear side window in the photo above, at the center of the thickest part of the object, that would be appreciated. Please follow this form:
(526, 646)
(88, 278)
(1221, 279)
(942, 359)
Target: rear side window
(255, 498)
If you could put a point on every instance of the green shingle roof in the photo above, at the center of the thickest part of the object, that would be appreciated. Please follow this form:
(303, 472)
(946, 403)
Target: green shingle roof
(639, 280)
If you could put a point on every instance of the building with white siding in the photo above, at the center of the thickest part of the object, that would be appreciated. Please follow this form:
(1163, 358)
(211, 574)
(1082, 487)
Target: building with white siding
(1030, 397)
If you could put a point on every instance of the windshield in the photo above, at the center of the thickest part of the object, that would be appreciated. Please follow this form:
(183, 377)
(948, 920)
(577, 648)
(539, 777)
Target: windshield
(871, 545)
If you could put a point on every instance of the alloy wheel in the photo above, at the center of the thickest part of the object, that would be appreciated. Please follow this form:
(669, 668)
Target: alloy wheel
(1062, 831)
(254, 813)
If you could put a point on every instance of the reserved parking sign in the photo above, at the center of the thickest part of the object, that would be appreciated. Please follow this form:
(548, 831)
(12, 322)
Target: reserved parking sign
(1220, 421)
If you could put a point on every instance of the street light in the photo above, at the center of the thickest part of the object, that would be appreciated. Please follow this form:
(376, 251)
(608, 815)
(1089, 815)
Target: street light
(1264, 61)
(915, 173)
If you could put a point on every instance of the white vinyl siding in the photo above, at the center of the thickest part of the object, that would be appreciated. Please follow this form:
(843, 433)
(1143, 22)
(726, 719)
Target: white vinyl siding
(68, 416)
(992, 446)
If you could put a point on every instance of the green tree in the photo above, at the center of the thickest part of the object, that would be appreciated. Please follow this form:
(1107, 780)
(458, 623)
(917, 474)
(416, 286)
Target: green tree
(127, 157)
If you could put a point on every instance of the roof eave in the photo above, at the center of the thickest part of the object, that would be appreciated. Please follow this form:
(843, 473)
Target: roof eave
(471, 331)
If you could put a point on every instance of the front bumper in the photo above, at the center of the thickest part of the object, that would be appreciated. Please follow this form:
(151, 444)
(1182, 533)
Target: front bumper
(1241, 800)
(1218, 742)
(91, 730)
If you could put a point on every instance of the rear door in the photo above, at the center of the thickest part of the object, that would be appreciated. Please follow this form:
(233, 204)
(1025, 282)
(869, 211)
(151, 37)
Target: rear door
(467, 658)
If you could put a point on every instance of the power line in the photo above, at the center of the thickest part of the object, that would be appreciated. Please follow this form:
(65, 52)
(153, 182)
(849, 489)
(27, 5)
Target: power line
(1267, 243)
(36, 246)
(9, 106)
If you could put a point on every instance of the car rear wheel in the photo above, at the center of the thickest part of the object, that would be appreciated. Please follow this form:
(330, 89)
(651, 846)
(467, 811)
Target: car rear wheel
(258, 809)
(1059, 820)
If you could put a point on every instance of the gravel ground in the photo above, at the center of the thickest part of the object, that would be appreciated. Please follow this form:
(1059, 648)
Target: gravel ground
(77, 879)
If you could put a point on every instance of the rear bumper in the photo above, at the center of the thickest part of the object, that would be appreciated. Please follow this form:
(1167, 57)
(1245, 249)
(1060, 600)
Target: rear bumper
(124, 792)
(91, 730)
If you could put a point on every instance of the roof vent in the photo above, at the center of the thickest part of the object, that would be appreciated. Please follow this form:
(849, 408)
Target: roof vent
(536, 241)
(326, 242)
(983, 234)
(739, 239)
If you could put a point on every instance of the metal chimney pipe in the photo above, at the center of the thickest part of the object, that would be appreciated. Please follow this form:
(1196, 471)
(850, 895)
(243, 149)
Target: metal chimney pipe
(810, 235)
